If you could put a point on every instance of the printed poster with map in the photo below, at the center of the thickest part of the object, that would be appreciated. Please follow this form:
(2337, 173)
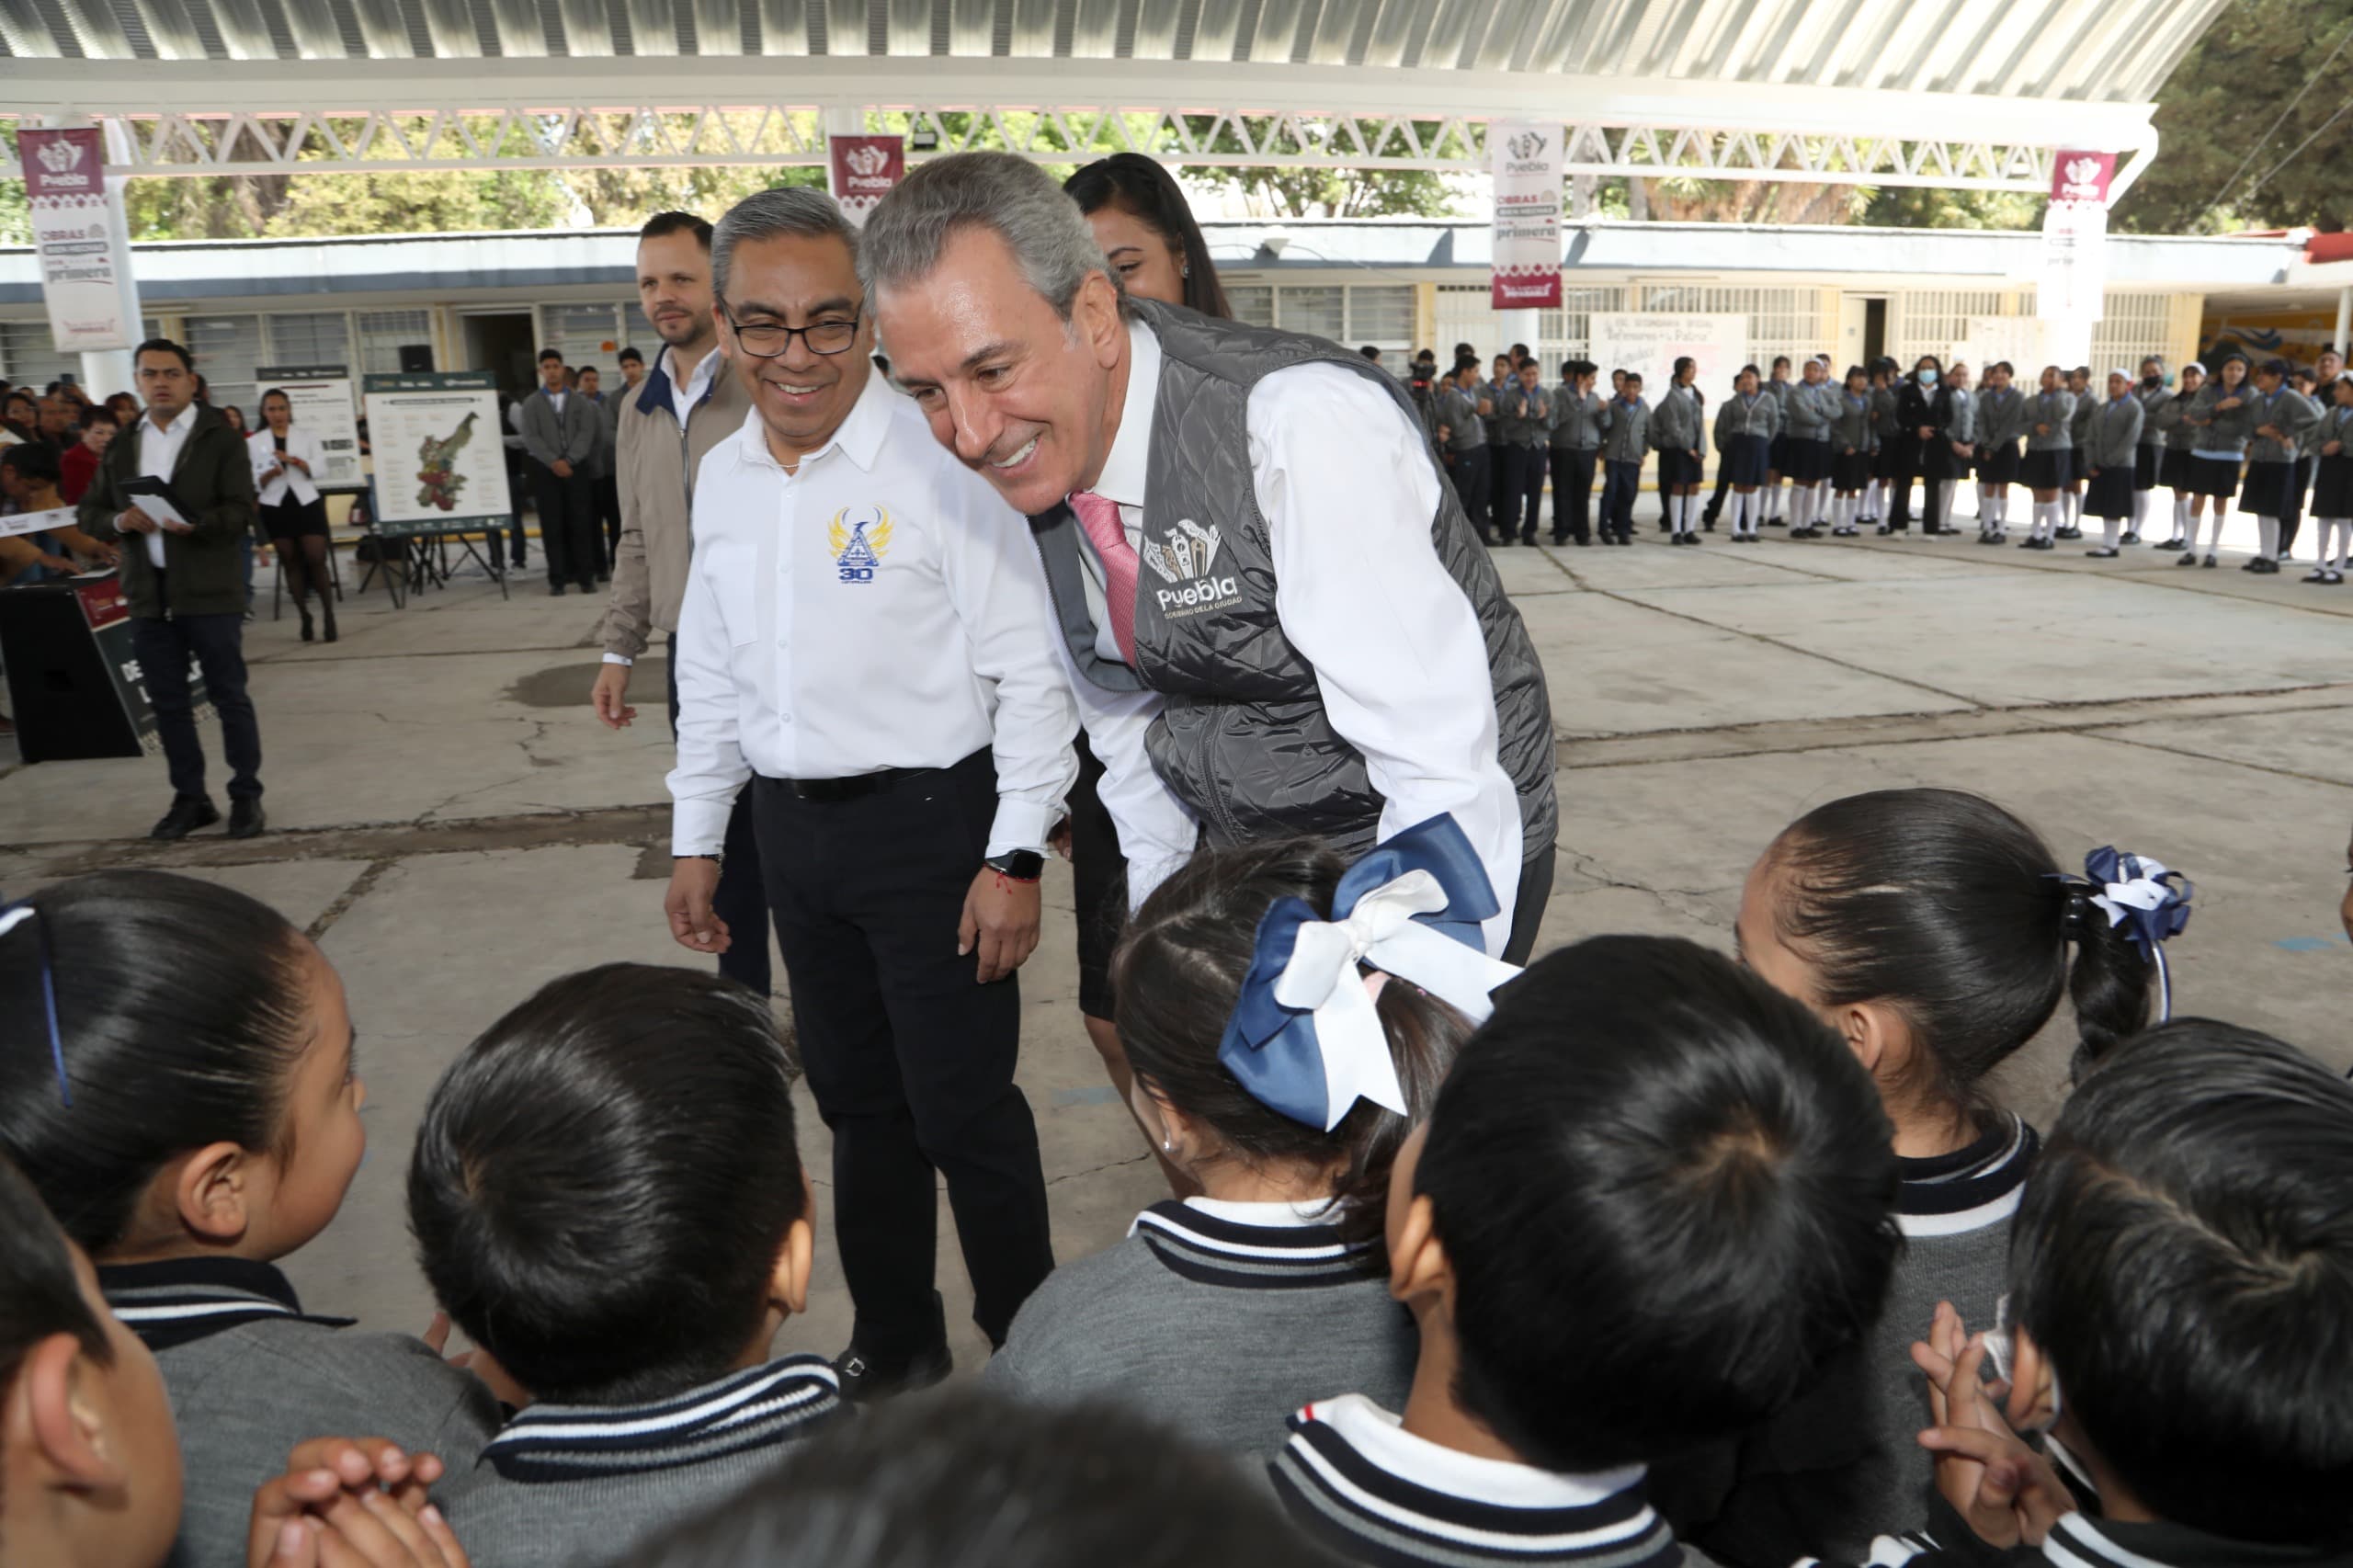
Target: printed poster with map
(441, 460)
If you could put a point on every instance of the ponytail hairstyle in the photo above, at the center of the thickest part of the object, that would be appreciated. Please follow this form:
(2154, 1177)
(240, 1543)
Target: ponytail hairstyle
(1141, 187)
(180, 1011)
(1946, 907)
(1178, 975)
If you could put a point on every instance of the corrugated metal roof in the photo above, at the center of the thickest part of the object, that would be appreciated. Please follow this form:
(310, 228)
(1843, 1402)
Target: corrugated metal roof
(2080, 50)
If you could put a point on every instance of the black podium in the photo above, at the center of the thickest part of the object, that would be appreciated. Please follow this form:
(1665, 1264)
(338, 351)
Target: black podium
(74, 686)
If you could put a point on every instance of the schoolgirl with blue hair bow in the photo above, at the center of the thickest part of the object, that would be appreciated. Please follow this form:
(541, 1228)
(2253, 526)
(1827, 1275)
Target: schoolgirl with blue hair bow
(1290, 1017)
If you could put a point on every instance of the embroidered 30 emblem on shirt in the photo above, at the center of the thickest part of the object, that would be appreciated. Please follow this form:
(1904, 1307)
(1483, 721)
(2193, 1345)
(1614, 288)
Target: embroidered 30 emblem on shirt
(859, 537)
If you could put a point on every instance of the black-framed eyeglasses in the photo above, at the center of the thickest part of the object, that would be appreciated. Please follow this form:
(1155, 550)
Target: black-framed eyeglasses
(770, 340)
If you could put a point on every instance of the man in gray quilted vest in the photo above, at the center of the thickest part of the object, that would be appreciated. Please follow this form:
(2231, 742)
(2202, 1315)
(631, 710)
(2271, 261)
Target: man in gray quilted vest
(1278, 619)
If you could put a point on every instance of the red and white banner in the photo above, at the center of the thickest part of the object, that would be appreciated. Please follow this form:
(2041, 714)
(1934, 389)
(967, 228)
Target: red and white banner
(1526, 159)
(2072, 285)
(85, 259)
(864, 170)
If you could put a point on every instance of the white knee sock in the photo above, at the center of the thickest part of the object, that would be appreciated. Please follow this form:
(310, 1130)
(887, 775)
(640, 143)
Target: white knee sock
(2268, 528)
(2344, 543)
(2046, 518)
(1738, 505)
(1870, 498)
(2180, 514)
(2221, 513)
(2108, 529)
(1803, 499)
(2140, 509)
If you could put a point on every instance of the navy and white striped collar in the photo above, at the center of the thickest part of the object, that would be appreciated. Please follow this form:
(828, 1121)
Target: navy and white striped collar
(183, 1299)
(1216, 1249)
(2078, 1541)
(1969, 1188)
(776, 1403)
(1351, 1474)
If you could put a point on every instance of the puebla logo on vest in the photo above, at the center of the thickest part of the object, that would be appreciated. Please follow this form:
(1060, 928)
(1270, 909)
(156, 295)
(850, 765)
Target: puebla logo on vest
(1187, 563)
(859, 537)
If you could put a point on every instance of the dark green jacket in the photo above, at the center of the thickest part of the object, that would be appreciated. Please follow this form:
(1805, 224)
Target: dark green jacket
(202, 571)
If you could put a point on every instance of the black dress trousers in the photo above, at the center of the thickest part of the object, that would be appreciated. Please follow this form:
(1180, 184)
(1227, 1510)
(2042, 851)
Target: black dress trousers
(909, 1059)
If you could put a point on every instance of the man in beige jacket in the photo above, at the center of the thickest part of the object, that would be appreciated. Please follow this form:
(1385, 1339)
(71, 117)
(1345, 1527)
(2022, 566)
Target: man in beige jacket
(685, 404)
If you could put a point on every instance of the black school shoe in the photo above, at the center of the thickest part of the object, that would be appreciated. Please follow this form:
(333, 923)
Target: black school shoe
(2130, 539)
(185, 817)
(866, 1378)
(2100, 555)
(2069, 533)
(246, 816)
(2189, 560)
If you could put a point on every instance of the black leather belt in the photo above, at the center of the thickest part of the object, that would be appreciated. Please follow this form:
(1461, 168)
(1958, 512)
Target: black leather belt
(857, 785)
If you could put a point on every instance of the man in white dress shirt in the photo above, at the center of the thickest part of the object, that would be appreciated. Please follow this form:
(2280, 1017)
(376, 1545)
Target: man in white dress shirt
(1279, 619)
(863, 644)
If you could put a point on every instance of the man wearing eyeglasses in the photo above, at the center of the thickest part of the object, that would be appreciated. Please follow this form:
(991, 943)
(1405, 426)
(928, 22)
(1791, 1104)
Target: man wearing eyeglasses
(864, 649)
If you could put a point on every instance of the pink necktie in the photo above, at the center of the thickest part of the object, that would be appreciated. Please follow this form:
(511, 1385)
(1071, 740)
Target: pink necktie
(1099, 517)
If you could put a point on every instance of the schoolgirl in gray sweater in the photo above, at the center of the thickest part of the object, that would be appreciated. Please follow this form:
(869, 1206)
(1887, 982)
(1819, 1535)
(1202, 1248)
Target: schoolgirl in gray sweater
(2221, 421)
(193, 1119)
(1221, 1316)
(1936, 932)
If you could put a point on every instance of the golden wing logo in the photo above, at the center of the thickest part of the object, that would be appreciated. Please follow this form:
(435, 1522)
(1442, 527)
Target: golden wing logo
(858, 537)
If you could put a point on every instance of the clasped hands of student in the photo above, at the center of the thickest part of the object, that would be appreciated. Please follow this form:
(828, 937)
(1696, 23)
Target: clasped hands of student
(2009, 1494)
(351, 1503)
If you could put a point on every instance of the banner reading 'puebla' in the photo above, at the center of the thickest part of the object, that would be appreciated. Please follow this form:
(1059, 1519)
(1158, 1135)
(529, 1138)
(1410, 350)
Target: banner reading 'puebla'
(84, 263)
(2073, 278)
(864, 170)
(1525, 159)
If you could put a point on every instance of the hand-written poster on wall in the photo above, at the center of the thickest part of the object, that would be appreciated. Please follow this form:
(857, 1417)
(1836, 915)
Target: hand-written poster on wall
(1650, 345)
(320, 397)
(864, 170)
(440, 462)
(1526, 159)
(82, 246)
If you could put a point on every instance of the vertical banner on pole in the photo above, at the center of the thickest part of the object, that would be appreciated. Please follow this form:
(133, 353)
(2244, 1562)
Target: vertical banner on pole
(864, 170)
(2072, 284)
(85, 264)
(1525, 161)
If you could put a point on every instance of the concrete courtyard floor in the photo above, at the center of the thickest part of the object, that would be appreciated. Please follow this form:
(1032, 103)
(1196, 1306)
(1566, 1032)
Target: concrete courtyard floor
(455, 828)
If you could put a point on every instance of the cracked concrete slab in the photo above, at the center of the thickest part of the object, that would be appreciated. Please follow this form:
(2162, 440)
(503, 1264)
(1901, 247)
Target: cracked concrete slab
(448, 814)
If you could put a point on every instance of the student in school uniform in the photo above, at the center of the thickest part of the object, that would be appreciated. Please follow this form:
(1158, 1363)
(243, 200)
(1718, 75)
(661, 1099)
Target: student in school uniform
(2175, 1291)
(2280, 416)
(2173, 467)
(1707, 1167)
(1746, 426)
(1625, 437)
(1935, 933)
(608, 1196)
(1853, 451)
(1501, 476)
(2306, 386)
(2079, 433)
(2148, 458)
(1527, 418)
(1777, 387)
(1809, 406)
(1464, 412)
(1923, 407)
(2001, 420)
(1678, 429)
(1222, 1314)
(2114, 433)
(1573, 440)
(2332, 440)
(2221, 422)
(190, 1111)
(1957, 439)
(2049, 420)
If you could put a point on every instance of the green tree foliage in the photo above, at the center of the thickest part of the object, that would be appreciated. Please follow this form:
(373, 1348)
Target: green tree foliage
(2212, 113)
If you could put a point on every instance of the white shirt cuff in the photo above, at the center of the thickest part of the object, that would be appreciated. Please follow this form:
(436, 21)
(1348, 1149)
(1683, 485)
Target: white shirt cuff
(620, 659)
(699, 827)
(1020, 824)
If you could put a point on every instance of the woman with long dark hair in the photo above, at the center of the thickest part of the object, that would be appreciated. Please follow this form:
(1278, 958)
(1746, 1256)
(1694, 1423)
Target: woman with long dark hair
(1923, 407)
(1147, 229)
(1147, 233)
(284, 458)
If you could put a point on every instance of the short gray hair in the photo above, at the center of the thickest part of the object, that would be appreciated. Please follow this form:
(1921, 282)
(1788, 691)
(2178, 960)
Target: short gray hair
(1010, 196)
(792, 210)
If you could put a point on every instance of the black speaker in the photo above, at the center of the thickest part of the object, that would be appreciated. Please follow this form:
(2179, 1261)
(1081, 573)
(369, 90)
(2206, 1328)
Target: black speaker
(416, 357)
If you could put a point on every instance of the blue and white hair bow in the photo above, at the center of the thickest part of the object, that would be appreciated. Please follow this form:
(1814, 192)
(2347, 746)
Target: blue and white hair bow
(1305, 1039)
(11, 917)
(2140, 895)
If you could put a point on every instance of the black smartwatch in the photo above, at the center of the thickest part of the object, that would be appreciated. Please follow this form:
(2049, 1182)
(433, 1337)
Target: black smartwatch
(1018, 865)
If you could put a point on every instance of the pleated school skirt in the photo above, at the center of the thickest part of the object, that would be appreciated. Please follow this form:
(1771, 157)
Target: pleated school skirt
(1999, 464)
(2044, 469)
(2333, 491)
(2109, 492)
(1676, 466)
(2268, 489)
(1778, 454)
(2174, 471)
(2144, 465)
(1851, 470)
(2214, 476)
(1805, 461)
(1747, 459)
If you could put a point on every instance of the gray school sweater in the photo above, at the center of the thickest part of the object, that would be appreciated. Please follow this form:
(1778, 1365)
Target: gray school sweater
(1955, 1214)
(575, 1486)
(1219, 1329)
(251, 1375)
